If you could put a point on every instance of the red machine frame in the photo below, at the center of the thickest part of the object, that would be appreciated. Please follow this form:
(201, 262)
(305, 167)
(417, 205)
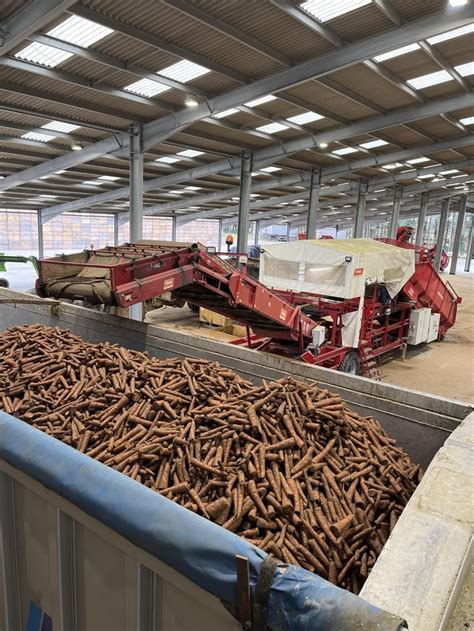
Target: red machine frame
(281, 321)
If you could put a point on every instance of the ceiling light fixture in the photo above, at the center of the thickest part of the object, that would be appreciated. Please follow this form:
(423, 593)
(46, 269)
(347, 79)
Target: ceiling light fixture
(457, 3)
(191, 101)
(76, 146)
(323, 145)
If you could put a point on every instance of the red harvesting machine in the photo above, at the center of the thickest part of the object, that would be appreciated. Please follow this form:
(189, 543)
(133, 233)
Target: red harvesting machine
(338, 304)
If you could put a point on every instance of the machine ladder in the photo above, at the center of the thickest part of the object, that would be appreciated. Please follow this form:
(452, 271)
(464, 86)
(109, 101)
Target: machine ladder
(368, 363)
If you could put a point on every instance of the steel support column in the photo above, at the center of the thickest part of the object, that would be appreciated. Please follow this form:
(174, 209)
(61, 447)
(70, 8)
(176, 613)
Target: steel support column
(470, 245)
(219, 238)
(257, 232)
(244, 201)
(173, 228)
(136, 197)
(40, 234)
(420, 227)
(313, 204)
(116, 229)
(458, 233)
(397, 200)
(360, 210)
(443, 220)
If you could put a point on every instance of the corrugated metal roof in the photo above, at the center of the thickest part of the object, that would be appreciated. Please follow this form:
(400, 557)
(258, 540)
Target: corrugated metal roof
(361, 23)
(360, 93)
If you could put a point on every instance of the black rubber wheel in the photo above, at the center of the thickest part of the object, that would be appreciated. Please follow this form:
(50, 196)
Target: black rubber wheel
(4, 282)
(194, 308)
(350, 363)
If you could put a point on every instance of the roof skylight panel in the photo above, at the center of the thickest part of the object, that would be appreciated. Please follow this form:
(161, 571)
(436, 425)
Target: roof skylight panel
(190, 153)
(425, 175)
(260, 100)
(458, 32)
(427, 80)
(192, 188)
(109, 178)
(33, 135)
(324, 11)
(449, 172)
(394, 165)
(271, 169)
(465, 69)
(306, 117)
(229, 112)
(184, 71)
(418, 160)
(272, 128)
(60, 126)
(146, 87)
(397, 52)
(79, 31)
(91, 183)
(467, 121)
(344, 151)
(42, 54)
(372, 144)
(168, 159)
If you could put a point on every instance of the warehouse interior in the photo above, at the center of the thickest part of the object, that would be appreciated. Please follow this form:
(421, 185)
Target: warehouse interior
(196, 163)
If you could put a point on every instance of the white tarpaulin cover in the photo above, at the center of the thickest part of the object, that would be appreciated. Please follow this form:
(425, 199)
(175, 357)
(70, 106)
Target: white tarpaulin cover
(339, 268)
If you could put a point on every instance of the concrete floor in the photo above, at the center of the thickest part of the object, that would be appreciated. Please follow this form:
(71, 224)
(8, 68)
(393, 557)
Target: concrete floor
(444, 368)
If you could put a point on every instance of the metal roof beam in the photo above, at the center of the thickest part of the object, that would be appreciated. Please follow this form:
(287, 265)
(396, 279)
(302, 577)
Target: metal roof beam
(156, 42)
(42, 130)
(52, 97)
(189, 88)
(161, 129)
(230, 31)
(112, 62)
(374, 183)
(33, 16)
(327, 174)
(8, 107)
(348, 218)
(385, 199)
(77, 81)
(384, 202)
(389, 11)
(268, 155)
(306, 19)
(313, 68)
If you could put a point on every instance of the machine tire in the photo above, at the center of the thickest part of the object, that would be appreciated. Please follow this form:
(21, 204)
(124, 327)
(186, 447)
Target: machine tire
(4, 282)
(350, 363)
(194, 308)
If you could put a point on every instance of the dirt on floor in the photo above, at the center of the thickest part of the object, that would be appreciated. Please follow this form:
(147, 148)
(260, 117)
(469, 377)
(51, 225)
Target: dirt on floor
(444, 368)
